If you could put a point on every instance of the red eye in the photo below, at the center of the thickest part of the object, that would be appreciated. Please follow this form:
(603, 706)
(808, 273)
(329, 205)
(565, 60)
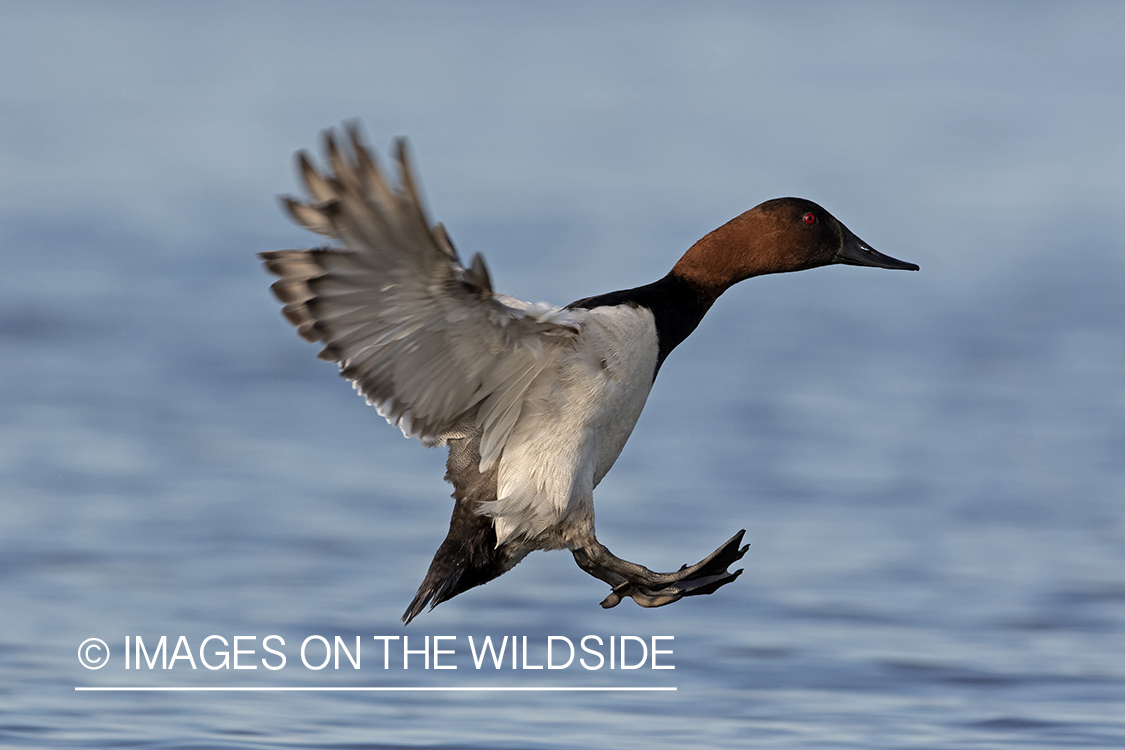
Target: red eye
(809, 219)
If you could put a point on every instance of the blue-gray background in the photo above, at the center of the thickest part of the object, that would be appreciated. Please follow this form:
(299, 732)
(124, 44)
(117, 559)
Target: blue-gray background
(930, 465)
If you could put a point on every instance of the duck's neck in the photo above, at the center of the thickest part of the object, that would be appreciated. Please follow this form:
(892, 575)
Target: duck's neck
(677, 306)
(737, 250)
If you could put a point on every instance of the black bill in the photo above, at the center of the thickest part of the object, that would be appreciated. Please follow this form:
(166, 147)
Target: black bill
(856, 252)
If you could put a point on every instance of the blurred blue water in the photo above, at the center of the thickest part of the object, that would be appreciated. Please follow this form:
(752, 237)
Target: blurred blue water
(929, 465)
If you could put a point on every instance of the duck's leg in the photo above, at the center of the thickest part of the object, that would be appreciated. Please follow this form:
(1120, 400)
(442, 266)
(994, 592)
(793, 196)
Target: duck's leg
(650, 589)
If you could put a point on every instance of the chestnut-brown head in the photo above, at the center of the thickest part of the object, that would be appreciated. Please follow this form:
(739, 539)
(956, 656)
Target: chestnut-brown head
(784, 234)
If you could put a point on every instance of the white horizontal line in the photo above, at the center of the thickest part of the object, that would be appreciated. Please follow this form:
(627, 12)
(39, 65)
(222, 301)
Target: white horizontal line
(298, 689)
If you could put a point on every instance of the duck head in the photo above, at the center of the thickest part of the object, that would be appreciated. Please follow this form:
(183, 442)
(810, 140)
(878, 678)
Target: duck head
(780, 235)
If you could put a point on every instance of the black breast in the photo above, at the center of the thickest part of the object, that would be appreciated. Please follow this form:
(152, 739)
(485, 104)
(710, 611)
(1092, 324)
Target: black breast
(677, 307)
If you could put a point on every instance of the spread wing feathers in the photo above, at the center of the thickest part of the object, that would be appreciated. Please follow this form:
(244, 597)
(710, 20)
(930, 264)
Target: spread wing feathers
(421, 336)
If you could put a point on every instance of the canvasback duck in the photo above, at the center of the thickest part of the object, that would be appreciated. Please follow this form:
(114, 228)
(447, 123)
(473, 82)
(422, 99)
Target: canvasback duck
(534, 402)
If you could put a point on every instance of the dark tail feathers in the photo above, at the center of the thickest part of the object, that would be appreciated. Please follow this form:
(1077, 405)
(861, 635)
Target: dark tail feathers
(468, 557)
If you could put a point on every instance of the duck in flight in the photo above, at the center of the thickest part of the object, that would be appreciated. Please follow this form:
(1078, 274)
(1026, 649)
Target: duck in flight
(533, 401)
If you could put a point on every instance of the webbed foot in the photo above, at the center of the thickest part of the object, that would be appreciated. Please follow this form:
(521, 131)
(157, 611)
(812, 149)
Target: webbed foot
(650, 589)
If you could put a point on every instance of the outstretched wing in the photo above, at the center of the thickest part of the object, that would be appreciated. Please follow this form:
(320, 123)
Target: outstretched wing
(423, 337)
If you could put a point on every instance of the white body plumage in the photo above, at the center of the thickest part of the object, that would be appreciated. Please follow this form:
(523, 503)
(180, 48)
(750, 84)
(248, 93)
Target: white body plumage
(575, 418)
